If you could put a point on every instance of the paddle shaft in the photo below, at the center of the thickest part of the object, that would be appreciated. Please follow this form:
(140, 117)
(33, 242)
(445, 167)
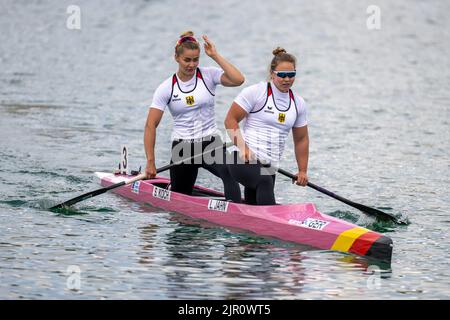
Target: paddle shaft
(358, 206)
(94, 193)
(132, 180)
(318, 188)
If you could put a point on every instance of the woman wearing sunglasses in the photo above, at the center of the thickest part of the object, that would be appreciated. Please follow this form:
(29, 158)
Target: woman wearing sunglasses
(189, 96)
(271, 110)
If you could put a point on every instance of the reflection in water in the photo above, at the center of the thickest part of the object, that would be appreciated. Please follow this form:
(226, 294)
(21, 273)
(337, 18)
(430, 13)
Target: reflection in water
(273, 270)
(148, 234)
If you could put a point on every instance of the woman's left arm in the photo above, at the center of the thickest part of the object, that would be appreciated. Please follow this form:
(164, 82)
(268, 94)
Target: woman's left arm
(231, 76)
(301, 145)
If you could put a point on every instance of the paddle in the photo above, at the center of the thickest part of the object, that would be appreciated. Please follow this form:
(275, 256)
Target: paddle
(363, 208)
(137, 178)
(94, 193)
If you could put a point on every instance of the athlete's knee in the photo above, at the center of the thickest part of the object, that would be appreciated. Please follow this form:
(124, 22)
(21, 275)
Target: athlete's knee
(266, 182)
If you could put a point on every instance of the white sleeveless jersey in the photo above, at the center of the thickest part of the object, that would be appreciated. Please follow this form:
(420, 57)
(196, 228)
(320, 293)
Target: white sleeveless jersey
(270, 119)
(193, 109)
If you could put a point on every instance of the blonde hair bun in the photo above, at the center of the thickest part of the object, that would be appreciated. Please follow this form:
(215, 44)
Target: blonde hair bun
(188, 33)
(278, 51)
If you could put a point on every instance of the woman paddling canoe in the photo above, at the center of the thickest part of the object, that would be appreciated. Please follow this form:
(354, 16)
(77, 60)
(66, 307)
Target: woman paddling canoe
(271, 110)
(189, 96)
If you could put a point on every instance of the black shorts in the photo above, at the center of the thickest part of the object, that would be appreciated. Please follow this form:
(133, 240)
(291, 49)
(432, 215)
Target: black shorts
(184, 175)
(258, 180)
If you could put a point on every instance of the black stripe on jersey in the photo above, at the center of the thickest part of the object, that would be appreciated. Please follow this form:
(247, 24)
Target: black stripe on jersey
(174, 79)
(196, 81)
(199, 75)
(273, 99)
(268, 93)
(291, 95)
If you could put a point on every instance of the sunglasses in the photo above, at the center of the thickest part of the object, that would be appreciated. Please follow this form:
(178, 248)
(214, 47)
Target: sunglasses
(186, 39)
(284, 74)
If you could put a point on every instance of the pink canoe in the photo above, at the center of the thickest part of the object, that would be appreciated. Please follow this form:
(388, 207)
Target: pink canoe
(299, 223)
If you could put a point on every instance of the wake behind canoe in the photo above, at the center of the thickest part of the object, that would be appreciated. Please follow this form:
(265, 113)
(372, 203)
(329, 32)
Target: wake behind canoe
(299, 223)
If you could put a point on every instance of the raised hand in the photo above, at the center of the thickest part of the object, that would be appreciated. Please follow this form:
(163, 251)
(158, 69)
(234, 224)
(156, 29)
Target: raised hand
(210, 48)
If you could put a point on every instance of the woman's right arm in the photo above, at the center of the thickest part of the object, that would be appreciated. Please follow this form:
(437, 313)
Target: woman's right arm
(234, 116)
(153, 119)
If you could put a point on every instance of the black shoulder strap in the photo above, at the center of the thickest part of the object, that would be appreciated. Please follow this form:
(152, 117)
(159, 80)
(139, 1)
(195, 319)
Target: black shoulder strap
(199, 75)
(268, 94)
(174, 80)
(292, 97)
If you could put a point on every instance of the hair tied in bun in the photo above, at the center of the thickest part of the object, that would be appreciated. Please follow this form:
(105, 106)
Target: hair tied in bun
(278, 51)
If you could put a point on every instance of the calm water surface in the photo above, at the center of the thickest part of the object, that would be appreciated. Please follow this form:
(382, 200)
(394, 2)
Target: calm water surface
(379, 119)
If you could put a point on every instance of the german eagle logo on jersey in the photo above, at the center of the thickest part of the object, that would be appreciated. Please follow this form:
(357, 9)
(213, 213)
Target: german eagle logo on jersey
(190, 100)
(281, 117)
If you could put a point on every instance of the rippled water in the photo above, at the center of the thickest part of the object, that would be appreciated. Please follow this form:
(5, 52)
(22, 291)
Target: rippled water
(379, 110)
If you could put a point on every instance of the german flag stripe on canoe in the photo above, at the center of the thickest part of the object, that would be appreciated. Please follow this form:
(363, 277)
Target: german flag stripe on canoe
(346, 239)
(356, 240)
(364, 243)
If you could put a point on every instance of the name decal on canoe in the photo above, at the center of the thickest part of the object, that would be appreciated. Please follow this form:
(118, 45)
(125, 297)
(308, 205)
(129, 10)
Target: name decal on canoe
(309, 223)
(135, 187)
(218, 205)
(161, 193)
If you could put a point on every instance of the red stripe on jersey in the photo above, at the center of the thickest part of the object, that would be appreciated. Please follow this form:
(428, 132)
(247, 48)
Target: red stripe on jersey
(269, 90)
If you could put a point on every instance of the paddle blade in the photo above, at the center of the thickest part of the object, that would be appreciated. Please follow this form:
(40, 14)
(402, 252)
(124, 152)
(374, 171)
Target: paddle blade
(86, 196)
(371, 211)
(97, 192)
(378, 213)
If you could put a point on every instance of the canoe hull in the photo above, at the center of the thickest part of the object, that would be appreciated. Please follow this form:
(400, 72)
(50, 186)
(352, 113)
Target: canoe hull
(299, 223)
